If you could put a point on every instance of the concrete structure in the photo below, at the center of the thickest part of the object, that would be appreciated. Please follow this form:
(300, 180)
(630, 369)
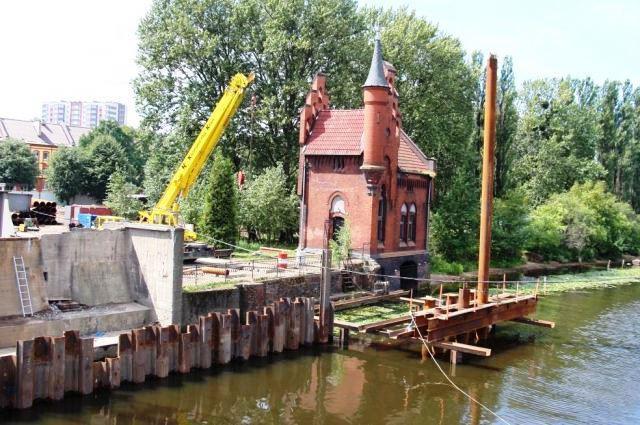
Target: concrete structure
(43, 139)
(127, 277)
(83, 114)
(360, 166)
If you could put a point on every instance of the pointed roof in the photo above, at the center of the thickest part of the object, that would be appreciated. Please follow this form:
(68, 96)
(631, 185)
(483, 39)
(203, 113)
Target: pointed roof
(376, 72)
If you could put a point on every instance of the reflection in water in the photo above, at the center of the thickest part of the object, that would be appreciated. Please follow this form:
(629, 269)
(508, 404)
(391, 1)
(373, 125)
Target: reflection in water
(585, 370)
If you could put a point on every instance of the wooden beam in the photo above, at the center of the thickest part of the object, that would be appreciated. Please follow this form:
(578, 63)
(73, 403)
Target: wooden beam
(366, 300)
(535, 322)
(344, 325)
(463, 348)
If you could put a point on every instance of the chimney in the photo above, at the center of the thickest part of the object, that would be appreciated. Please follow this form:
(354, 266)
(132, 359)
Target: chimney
(377, 129)
(37, 125)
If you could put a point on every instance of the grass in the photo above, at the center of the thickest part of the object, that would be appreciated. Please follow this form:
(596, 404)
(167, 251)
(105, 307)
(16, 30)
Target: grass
(249, 249)
(229, 284)
(580, 281)
(373, 313)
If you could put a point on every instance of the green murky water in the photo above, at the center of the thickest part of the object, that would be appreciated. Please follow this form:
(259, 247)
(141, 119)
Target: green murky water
(587, 370)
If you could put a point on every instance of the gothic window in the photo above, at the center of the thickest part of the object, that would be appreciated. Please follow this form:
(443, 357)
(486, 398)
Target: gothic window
(411, 224)
(337, 205)
(403, 223)
(382, 215)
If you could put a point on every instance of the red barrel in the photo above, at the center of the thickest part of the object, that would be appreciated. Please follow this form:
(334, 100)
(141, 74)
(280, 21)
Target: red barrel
(282, 260)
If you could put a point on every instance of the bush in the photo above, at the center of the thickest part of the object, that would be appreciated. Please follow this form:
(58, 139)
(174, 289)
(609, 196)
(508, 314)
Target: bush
(341, 245)
(510, 228)
(268, 208)
(120, 197)
(442, 266)
(584, 222)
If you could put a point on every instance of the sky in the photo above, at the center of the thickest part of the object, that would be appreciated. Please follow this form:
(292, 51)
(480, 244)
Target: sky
(86, 49)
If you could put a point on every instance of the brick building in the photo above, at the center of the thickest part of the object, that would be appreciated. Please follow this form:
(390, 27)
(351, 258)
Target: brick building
(359, 165)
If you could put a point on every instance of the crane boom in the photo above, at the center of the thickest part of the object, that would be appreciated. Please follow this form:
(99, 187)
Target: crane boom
(183, 179)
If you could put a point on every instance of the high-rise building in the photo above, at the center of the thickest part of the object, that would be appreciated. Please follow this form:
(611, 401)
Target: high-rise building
(82, 114)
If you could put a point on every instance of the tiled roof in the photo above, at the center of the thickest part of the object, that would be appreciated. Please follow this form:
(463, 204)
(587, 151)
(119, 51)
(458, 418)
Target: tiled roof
(339, 132)
(411, 159)
(36, 133)
(336, 132)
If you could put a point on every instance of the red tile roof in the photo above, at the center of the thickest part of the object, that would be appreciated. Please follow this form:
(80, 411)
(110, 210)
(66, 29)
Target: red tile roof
(339, 132)
(336, 132)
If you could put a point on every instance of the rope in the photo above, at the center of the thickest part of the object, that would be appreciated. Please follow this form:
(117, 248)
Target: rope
(413, 321)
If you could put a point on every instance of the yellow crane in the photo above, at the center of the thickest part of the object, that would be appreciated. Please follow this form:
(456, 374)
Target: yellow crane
(166, 210)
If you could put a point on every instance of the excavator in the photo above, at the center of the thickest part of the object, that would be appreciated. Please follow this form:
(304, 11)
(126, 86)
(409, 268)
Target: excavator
(166, 211)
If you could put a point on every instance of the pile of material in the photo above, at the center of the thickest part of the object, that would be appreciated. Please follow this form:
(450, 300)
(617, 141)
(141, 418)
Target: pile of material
(41, 213)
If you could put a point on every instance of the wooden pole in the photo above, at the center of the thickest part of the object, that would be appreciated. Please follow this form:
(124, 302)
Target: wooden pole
(325, 286)
(486, 200)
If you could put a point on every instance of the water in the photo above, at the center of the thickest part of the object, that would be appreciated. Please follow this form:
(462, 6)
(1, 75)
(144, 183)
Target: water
(586, 370)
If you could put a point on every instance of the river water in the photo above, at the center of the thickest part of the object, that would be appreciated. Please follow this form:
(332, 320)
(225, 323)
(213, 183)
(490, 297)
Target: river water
(586, 371)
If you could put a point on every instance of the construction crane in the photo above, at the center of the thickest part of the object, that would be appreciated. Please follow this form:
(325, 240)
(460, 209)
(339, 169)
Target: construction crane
(166, 211)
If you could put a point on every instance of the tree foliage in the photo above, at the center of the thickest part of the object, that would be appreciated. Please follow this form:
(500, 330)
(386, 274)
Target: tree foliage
(584, 222)
(268, 207)
(67, 173)
(18, 165)
(218, 218)
(120, 197)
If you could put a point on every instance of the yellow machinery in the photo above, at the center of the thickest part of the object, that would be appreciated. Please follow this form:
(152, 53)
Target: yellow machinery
(166, 211)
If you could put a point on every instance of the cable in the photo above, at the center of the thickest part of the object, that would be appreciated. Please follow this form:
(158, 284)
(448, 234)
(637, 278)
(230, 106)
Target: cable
(413, 321)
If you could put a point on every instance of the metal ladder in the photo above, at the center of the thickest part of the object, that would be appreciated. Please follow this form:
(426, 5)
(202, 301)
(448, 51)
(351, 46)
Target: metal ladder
(23, 286)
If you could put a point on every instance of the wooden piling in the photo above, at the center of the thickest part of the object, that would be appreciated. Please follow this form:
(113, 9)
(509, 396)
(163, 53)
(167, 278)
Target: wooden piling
(85, 368)
(206, 341)
(71, 360)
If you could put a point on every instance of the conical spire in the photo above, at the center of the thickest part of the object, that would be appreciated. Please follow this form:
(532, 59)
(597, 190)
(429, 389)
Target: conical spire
(376, 72)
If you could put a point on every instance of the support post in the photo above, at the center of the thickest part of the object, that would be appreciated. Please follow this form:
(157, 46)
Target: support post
(486, 201)
(325, 288)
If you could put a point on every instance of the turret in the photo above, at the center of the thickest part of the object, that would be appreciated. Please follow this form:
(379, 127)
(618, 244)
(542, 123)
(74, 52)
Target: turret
(376, 119)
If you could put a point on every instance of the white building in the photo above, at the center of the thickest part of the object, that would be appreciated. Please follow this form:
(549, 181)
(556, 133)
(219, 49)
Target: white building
(83, 114)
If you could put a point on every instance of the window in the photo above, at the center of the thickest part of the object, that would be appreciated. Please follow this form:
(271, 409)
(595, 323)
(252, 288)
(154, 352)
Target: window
(37, 155)
(411, 224)
(337, 205)
(45, 156)
(403, 223)
(382, 215)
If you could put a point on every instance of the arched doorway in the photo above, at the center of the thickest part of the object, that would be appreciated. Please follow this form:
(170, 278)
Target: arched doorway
(336, 213)
(336, 224)
(408, 273)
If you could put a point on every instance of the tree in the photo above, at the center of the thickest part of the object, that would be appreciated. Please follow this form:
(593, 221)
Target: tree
(218, 218)
(17, 164)
(557, 137)
(67, 173)
(190, 49)
(120, 197)
(510, 228)
(105, 156)
(165, 157)
(268, 207)
(125, 137)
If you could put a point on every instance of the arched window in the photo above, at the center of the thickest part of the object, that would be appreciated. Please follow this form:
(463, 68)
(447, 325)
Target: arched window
(411, 223)
(403, 223)
(337, 205)
(382, 214)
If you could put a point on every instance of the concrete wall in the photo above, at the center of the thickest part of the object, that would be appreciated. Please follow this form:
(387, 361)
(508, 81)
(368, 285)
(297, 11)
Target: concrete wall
(29, 249)
(195, 304)
(155, 273)
(88, 266)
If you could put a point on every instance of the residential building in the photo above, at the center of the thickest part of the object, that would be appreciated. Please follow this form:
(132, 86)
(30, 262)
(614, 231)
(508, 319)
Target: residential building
(83, 114)
(359, 165)
(43, 139)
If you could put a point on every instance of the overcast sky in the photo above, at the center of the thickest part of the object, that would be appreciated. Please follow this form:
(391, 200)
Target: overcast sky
(85, 50)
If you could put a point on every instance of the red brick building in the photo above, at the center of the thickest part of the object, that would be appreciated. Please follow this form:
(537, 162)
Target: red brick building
(359, 165)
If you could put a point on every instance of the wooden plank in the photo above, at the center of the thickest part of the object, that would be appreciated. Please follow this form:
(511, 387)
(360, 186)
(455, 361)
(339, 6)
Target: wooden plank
(535, 322)
(125, 354)
(345, 325)
(24, 355)
(206, 342)
(71, 360)
(56, 381)
(85, 368)
(463, 348)
(8, 381)
(369, 299)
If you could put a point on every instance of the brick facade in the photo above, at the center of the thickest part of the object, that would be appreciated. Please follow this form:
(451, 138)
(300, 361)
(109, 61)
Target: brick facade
(360, 166)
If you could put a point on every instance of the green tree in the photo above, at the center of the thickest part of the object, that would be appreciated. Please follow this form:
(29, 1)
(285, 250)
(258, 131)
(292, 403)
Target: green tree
(218, 218)
(125, 137)
(17, 164)
(510, 230)
(120, 197)
(67, 174)
(190, 49)
(165, 157)
(105, 156)
(557, 137)
(268, 207)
